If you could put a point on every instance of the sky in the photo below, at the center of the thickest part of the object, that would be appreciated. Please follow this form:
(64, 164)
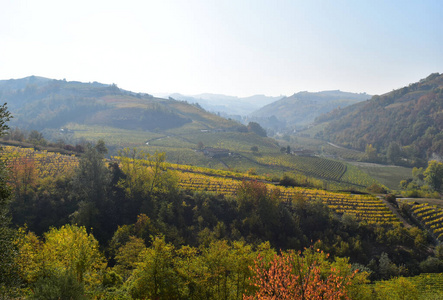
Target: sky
(239, 47)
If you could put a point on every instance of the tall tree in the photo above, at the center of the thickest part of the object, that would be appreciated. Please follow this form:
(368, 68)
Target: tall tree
(146, 179)
(394, 153)
(434, 175)
(8, 277)
(90, 187)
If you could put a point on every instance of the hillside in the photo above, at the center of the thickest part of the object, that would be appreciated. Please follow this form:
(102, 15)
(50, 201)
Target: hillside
(409, 121)
(302, 108)
(42, 103)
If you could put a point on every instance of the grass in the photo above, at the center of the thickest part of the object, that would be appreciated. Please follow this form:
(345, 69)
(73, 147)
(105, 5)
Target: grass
(390, 176)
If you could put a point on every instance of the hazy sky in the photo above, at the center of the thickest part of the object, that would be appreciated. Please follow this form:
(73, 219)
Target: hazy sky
(233, 47)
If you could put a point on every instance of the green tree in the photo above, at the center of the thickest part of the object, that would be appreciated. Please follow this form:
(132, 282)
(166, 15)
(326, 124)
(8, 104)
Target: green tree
(371, 153)
(394, 153)
(36, 138)
(155, 277)
(61, 265)
(258, 209)
(8, 268)
(434, 175)
(257, 129)
(146, 179)
(91, 183)
(67, 251)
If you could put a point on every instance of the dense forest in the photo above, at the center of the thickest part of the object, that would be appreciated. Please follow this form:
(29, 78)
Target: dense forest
(405, 126)
(124, 229)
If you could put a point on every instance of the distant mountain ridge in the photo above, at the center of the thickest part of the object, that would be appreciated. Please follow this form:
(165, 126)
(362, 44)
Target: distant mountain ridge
(411, 117)
(227, 105)
(302, 108)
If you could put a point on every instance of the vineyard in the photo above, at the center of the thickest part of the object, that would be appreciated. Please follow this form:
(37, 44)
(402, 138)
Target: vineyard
(364, 207)
(431, 217)
(314, 166)
(343, 153)
(44, 163)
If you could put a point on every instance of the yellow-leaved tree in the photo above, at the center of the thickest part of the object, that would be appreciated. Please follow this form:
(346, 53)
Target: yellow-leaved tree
(68, 252)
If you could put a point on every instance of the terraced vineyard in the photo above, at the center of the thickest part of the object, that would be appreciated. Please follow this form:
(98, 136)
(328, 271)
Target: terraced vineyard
(364, 207)
(46, 164)
(431, 217)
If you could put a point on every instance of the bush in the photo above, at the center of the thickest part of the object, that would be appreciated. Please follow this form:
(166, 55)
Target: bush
(59, 286)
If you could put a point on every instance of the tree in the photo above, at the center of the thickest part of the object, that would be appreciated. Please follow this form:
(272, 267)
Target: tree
(371, 153)
(23, 181)
(90, 184)
(307, 275)
(257, 129)
(8, 274)
(434, 175)
(155, 277)
(394, 153)
(36, 138)
(146, 178)
(258, 209)
(67, 250)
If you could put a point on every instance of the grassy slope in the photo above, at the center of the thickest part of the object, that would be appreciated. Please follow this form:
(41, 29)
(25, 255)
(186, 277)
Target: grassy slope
(390, 176)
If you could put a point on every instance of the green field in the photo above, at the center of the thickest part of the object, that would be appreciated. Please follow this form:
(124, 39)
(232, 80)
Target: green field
(390, 176)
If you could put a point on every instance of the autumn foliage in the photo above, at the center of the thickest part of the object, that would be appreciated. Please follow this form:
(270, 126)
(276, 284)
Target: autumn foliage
(292, 275)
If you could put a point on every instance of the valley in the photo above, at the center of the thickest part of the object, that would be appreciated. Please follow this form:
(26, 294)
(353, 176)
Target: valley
(144, 174)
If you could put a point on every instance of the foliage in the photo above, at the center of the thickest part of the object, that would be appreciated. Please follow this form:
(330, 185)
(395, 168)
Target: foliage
(67, 251)
(8, 270)
(219, 271)
(257, 129)
(309, 275)
(433, 175)
(91, 182)
(425, 183)
(58, 285)
(146, 174)
(409, 117)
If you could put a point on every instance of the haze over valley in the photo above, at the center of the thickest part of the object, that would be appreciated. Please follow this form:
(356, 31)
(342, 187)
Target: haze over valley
(221, 149)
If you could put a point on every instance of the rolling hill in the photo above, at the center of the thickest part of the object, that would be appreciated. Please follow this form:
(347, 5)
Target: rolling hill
(409, 119)
(302, 108)
(73, 112)
(42, 103)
